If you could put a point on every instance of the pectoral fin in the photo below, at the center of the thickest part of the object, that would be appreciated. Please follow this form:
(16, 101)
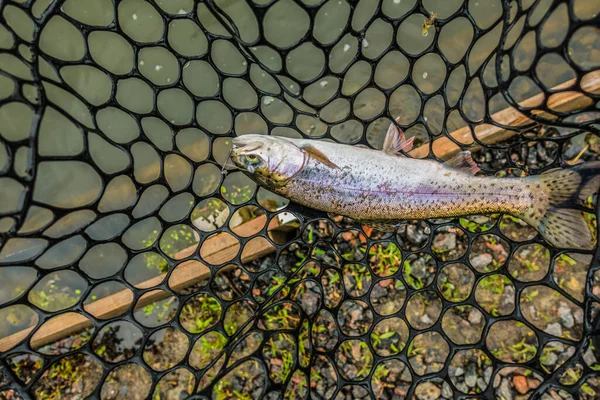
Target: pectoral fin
(463, 162)
(395, 141)
(319, 156)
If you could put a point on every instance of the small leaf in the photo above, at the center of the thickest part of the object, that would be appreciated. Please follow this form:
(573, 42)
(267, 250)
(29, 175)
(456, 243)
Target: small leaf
(387, 335)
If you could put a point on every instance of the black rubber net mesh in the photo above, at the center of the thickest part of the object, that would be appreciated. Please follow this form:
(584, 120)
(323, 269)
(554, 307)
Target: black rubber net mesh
(131, 267)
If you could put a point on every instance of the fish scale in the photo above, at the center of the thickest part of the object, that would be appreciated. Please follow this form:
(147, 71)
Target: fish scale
(387, 189)
(382, 188)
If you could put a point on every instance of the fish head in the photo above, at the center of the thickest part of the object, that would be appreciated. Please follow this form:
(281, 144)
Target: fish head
(270, 160)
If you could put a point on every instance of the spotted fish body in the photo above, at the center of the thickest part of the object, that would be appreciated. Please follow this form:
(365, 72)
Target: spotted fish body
(371, 185)
(381, 188)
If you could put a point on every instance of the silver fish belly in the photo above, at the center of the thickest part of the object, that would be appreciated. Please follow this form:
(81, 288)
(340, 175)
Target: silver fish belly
(372, 185)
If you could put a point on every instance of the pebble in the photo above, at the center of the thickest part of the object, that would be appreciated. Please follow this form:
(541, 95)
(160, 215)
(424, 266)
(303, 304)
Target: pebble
(433, 367)
(589, 357)
(447, 391)
(509, 370)
(475, 316)
(479, 219)
(481, 261)
(533, 312)
(578, 314)
(481, 384)
(504, 390)
(551, 359)
(565, 395)
(487, 374)
(559, 347)
(419, 268)
(508, 297)
(471, 378)
(458, 371)
(520, 383)
(428, 391)
(533, 383)
(566, 316)
(554, 329)
(416, 235)
(445, 242)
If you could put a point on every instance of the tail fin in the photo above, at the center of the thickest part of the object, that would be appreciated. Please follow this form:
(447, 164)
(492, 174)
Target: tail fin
(553, 214)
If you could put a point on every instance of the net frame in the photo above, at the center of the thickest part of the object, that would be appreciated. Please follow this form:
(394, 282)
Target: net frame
(306, 216)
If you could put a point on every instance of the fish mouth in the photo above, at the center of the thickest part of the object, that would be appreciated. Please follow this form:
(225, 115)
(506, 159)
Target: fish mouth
(240, 147)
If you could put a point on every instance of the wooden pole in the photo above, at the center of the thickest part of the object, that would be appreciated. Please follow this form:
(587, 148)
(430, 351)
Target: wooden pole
(223, 247)
(446, 148)
(219, 248)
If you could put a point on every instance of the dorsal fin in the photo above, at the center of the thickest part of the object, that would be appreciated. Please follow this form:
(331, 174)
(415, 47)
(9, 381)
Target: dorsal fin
(319, 156)
(395, 140)
(463, 162)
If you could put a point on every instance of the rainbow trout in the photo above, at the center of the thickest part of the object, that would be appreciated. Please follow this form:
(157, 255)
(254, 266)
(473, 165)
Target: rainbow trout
(381, 188)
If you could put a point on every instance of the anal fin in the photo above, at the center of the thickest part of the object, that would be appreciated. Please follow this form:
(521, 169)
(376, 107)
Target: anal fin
(463, 162)
(395, 141)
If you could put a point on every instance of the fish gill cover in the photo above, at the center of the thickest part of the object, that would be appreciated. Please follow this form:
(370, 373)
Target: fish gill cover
(130, 267)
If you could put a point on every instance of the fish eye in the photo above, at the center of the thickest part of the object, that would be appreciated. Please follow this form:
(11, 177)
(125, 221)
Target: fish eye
(252, 159)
